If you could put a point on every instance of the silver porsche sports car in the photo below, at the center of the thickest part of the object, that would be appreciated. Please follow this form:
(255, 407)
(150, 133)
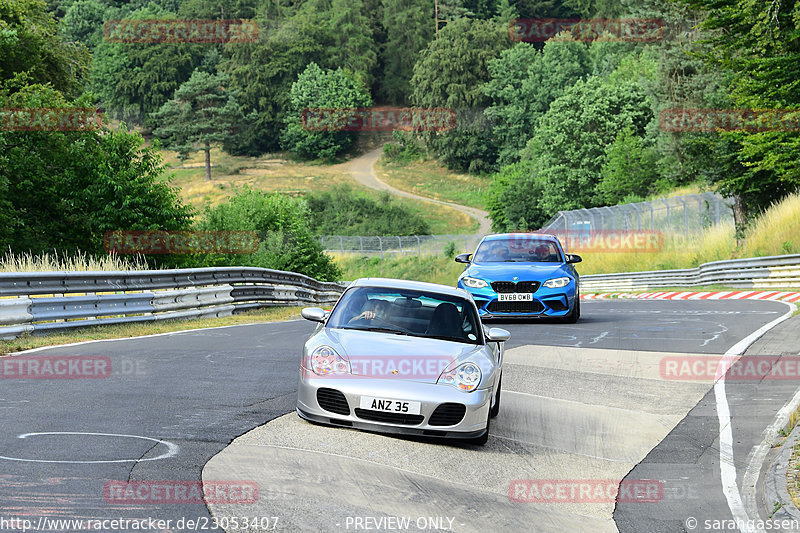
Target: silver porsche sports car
(404, 357)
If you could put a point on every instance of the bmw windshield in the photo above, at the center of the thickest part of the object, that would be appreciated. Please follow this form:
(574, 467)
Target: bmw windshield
(518, 250)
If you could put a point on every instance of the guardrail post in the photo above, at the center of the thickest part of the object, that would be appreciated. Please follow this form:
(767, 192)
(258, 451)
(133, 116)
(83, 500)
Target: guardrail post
(419, 247)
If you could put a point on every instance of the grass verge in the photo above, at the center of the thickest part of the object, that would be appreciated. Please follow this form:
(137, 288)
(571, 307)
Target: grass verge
(430, 179)
(276, 173)
(27, 342)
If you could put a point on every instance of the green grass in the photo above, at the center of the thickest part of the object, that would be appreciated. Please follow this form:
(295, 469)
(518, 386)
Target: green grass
(27, 342)
(430, 179)
(433, 269)
(277, 173)
(774, 233)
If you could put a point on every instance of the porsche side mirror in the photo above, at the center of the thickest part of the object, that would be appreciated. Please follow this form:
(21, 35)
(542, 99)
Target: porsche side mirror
(315, 314)
(498, 335)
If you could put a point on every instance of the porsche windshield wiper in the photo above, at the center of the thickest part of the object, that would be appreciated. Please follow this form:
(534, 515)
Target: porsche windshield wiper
(383, 330)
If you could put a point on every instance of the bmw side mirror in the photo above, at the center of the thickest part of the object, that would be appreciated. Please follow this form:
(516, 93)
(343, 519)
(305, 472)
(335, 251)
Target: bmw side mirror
(573, 258)
(463, 258)
(315, 314)
(498, 335)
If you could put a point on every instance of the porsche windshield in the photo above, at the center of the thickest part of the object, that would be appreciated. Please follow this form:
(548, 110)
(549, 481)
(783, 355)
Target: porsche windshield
(518, 250)
(407, 312)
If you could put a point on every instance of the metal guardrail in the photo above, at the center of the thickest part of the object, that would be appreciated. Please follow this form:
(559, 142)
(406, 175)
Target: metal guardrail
(756, 273)
(41, 302)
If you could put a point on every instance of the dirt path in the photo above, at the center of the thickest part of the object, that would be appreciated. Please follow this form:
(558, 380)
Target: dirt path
(363, 171)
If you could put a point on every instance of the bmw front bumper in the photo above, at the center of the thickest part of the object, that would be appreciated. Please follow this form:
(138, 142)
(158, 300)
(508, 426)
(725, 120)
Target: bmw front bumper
(547, 303)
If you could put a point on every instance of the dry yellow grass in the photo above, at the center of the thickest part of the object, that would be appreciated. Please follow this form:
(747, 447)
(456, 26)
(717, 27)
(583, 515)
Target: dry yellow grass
(54, 262)
(776, 232)
(274, 173)
(430, 179)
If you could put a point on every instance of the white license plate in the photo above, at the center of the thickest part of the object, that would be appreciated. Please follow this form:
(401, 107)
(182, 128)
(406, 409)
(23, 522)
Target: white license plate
(387, 405)
(515, 297)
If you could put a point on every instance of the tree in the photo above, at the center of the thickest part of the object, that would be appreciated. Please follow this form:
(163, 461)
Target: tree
(318, 89)
(83, 22)
(408, 30)
(524, 82)
(201, 112)
(513, 201)
(262, 74)
(136, 79)
(629, 170)
(450, 73)
(282, 224)
(569, 148)
(757, 43)
(31, 51)
(353, 48)
(68, 188)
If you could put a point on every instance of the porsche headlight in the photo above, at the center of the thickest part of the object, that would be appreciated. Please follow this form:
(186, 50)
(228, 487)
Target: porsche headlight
(465, 377)
(557, 283)
(325, 360)
(474, 283)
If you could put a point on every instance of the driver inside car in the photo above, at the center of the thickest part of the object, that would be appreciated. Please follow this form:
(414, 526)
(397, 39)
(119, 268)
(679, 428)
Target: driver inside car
(374, 309)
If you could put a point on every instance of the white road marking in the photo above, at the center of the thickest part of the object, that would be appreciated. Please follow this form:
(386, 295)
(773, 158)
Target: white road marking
(172, 449)
(726, 463)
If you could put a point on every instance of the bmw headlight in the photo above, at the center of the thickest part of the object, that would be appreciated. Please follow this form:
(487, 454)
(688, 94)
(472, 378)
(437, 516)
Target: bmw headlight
(474, 283)
(557, 283)
(466, 377)
(325, 360)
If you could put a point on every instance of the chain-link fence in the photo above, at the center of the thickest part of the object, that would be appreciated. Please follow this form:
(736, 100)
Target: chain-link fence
(680, 214)
(399, 245)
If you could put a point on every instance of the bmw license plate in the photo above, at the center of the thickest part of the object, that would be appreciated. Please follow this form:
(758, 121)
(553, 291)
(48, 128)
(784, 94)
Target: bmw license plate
(387, 405)
(515, 297)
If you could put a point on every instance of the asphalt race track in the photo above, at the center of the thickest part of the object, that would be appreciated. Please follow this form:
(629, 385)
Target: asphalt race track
(586, 402)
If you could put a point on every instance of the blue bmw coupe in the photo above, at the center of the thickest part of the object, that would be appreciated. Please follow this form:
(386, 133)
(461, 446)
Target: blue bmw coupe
(522, 275)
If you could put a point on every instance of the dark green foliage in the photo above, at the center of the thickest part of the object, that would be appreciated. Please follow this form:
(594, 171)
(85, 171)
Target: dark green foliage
(317, 89)
(342, 211)
(757, 42)
(286, 241)
(524, 82)
(200, 113)
(513, 204)
(262, 73)
(409, 29)
(136, 79)
(629, 170)
(67, 189)
(31, 51)
(450, 73)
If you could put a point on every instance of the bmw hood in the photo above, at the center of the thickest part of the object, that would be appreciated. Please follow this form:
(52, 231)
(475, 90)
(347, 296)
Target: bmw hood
(386, 355)
(524, 271)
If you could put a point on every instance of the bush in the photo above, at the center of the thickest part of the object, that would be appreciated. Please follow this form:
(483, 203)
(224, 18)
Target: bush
(315, 89)
(342, 211)
(285, 238)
